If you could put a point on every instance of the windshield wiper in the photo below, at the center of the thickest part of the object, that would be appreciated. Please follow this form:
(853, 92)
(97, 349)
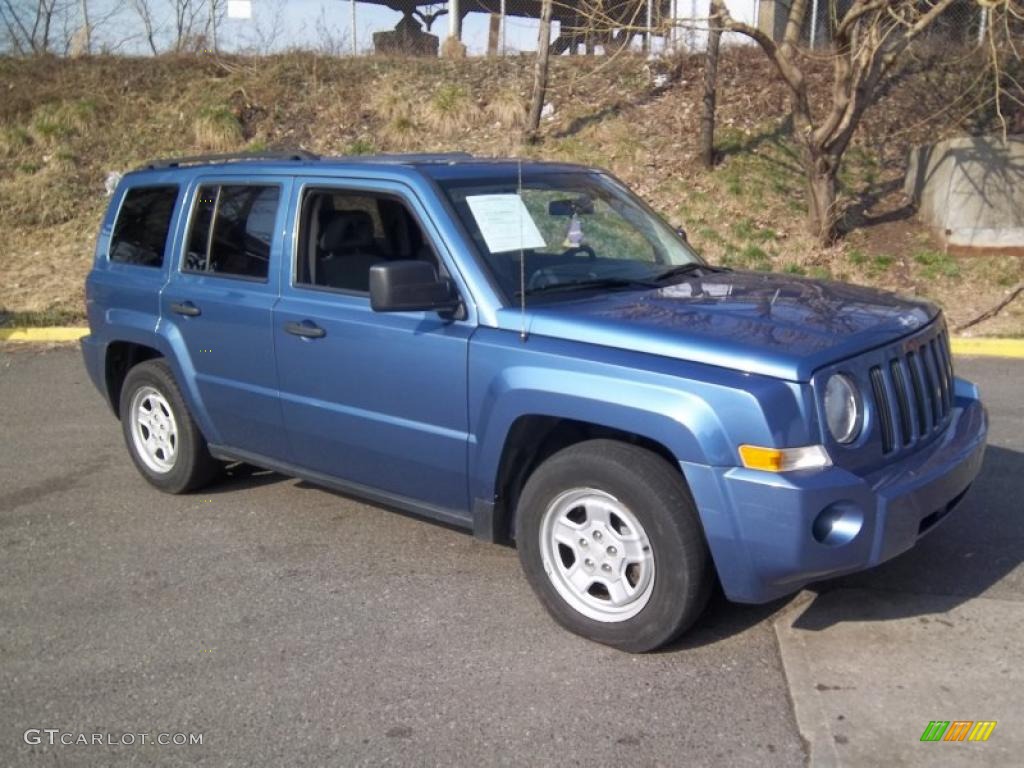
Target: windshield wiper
(687, 269)
(582, 285)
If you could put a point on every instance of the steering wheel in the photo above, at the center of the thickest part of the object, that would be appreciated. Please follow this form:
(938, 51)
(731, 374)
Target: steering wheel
(575, 250)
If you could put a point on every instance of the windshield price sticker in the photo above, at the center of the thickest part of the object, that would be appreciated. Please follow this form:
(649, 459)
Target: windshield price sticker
(505, 223)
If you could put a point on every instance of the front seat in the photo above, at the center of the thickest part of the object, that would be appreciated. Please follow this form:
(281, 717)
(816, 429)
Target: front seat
(346, 252)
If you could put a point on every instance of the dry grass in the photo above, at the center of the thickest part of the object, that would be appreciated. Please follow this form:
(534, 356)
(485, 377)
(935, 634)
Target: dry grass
(398, 134)
(391, 99)
(54, 123)
(13, 140)
(55, 151)
(507, 108)
(216, 128)
(450, 111)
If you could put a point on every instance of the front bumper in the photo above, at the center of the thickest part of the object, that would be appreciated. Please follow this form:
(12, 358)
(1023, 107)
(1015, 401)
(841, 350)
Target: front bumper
(761, 526)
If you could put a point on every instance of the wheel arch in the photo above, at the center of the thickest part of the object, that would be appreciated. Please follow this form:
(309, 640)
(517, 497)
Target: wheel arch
(120, 357)
(130, 344)
(529, 441)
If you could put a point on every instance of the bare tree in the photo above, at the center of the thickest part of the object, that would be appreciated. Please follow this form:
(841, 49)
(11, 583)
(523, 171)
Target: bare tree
(15, 22)
(869, 40)
(86, 27)
(707, 118)
(187, 15)
(31, 24)
(150, 26)
(331, 39)
(540, 73)
(266, 30)
(218, 9)
(102, 17)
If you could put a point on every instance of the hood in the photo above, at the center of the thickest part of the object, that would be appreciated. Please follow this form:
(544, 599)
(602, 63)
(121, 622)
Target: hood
(771, 324)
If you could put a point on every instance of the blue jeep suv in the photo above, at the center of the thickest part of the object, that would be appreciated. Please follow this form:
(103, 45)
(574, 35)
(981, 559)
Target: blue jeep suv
(526, 350)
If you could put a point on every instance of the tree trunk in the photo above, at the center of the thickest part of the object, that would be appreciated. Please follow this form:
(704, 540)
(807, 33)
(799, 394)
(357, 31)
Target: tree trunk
(707, 118)
(540, 73)
(822, 195)
(214, 9)
(87, 26)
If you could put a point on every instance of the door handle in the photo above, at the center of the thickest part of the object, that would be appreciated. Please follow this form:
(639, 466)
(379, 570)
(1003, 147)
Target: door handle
(186, 308)
(306, 329)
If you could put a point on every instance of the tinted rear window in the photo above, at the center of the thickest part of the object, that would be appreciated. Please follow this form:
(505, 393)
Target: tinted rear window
(242, 220)
(140, 233)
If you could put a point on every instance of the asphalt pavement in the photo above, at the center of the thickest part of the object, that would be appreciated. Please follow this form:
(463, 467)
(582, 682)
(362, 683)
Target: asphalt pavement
(290, 625)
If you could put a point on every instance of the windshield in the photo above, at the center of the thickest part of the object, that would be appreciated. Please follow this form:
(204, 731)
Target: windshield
(576, 232)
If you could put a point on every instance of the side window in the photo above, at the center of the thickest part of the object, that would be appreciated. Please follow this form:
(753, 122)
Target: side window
(140, 233)
(232, 229)
(342, 234)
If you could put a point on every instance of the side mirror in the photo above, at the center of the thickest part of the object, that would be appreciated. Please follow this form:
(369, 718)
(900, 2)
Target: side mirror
(682, 234)
(410, 286)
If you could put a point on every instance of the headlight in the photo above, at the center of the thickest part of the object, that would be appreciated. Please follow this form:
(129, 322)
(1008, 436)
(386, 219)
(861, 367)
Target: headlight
(842, 408)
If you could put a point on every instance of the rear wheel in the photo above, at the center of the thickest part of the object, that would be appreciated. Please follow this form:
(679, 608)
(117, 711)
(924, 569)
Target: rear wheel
(610, 540)
(163, 440)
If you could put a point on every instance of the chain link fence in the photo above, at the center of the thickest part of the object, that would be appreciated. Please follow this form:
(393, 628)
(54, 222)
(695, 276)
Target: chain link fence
(585, 27)
(964, 23)
(427, 28)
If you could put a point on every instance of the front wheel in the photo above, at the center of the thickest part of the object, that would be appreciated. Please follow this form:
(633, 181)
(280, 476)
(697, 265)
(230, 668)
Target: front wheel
(610, 540)
(163, 440)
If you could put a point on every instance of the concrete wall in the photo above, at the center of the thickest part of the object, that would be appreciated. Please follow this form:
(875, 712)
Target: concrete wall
(971, 191)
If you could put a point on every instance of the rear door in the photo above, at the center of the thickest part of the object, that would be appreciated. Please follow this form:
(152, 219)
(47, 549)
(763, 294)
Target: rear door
(375, 400)
(219, 300)
(133, 251)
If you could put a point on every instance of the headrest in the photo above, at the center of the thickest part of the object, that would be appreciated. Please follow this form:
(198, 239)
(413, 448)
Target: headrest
(347, 231)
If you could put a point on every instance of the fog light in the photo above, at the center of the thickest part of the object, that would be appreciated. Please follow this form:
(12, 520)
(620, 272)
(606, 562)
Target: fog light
(837, 524)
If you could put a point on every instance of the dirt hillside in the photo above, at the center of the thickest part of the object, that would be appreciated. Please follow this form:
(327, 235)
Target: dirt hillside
(65, 124)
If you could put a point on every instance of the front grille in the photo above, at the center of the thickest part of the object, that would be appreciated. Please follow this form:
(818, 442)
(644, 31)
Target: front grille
(913, 392)
(885, 423)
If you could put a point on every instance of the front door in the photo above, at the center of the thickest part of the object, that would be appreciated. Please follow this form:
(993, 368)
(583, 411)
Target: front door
(375, 400)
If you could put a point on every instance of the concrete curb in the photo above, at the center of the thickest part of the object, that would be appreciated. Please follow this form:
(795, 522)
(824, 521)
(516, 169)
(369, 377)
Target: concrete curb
(810, 715)
(43, 335)
(860, 666)
(988, 347)
(982, 347)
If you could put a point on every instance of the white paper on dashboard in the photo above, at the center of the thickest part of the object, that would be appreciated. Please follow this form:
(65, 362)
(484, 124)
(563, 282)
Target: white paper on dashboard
(505, 223)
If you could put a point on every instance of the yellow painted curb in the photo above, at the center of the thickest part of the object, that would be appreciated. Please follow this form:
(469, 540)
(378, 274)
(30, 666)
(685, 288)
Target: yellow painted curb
(42, 334)
(988, 347)
(1013, 348)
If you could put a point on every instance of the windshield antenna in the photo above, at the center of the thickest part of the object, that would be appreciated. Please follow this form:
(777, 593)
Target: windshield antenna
(522, 255)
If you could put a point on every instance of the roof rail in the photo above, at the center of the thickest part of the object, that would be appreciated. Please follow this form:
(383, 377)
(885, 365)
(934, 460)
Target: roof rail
(177, 162)
(416, 156)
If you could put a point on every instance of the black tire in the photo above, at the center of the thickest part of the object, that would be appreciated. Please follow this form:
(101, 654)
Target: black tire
(193, 467)
(655, 493)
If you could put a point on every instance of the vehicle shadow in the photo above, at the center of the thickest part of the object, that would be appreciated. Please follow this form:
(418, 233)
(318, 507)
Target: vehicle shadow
(723, 619)
(239, 477)
(976, 548)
